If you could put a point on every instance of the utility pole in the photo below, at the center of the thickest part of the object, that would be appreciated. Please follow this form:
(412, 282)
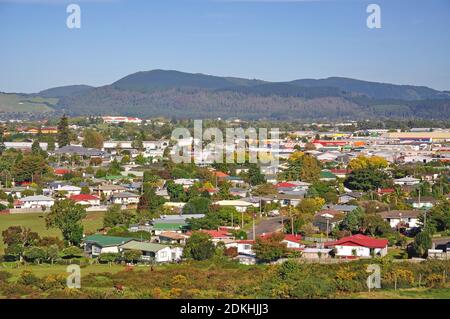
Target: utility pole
(254, 229)
(292, 220)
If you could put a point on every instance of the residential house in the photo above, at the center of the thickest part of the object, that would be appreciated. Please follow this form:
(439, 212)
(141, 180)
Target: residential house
(94, 245)
(70, 190)
(37, 201)
(425, 202)
(240, 205)
(359, 246)
(406, 219)
(347, 197)
(153, 252)
(340, 208)
(328, 219)
(407, 181)
(172, 238)
(125, 198)
(86, 199)
(108, 190)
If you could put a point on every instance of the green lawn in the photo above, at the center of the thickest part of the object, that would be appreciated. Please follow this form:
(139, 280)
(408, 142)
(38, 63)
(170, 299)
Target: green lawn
(36, 222)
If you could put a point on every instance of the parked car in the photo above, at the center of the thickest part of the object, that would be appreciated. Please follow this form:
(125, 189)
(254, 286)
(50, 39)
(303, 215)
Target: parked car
(274, 213)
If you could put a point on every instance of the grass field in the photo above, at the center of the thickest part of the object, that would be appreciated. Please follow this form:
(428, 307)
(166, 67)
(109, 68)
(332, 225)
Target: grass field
(36, 222)
(18, 103)
(412, 293)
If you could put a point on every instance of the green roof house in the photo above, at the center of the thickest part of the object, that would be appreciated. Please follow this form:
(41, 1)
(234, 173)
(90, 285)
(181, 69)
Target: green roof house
(95, 245)
(327, 176)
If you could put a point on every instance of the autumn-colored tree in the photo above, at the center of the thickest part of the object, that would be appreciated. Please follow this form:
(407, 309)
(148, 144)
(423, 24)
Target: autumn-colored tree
(270, 248)
(362, 162)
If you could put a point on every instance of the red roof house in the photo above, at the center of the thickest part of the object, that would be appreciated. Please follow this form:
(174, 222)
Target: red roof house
(359, 246)
(86, 199)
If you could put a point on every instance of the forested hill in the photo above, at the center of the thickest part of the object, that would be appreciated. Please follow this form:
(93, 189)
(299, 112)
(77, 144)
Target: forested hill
(189, 95)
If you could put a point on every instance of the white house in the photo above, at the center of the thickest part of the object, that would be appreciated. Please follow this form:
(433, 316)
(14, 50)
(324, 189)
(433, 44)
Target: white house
(70, 190)
(86, 200)
(407, 181)
(402, 218)
(37, 201)
(240, 205)
(359, 246)
(125, 198)
(154, 252)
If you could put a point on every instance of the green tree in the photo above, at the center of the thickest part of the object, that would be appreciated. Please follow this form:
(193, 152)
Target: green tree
(17, 239)
(67, 216)
(367, 179)
(197, 205)
(29, 168)
(63, 136)
(422, 242)
(199, 246)
(132, 256)
(116, 216)
(176, 192)
(254, 176)
(34, 254)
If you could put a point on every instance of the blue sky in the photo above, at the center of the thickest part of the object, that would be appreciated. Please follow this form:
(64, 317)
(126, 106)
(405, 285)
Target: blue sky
(267, 39)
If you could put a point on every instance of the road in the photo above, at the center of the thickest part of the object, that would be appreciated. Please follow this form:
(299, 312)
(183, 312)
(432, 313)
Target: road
(267, 225)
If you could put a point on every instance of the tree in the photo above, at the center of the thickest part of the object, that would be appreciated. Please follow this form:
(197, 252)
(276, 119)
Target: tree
(270, 248)
(2, 142)
(352, 220)
(310, 205)
(265, 189)
(367, 179)
(310, 170)
(17, 239)
(92, 139)
(439, 216)
(63, 137)
(197, 205)
(374, 225)
(67, 216)
(254, 176)
(29, 167)
(132, 256)
(34, 254)
(199, 246)
(36, 148)
(176, 192)
(115, 216)
(85, 190)
(422, 242)
(150, 201)
(361, 162)
(109, 258)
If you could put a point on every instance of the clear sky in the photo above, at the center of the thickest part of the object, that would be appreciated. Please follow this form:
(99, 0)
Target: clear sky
(276, 40)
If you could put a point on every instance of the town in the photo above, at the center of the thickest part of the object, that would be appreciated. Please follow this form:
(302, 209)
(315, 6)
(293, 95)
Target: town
(106, 192)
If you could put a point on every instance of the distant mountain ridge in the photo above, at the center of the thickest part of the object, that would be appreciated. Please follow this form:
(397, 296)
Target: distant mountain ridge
(193, 95)
(63, 91)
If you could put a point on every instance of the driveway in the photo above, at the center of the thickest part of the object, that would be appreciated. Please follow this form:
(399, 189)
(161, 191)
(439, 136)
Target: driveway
(267, 225)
